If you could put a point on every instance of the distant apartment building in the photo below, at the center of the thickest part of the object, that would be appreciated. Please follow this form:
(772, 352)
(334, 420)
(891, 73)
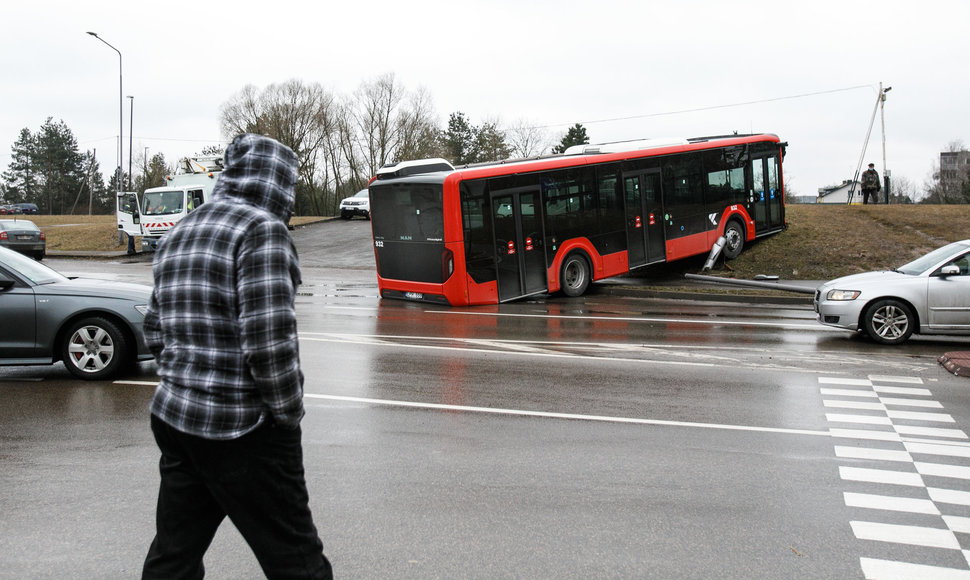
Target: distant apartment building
(954, 165)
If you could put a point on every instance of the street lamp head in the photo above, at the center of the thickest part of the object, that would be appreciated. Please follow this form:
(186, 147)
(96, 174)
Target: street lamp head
(94, 34)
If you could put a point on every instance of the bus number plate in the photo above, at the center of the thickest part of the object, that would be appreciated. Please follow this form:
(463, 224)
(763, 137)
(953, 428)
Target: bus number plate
(413, 295)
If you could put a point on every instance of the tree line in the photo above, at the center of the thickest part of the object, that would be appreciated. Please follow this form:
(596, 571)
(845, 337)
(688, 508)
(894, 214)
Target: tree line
(340, 140)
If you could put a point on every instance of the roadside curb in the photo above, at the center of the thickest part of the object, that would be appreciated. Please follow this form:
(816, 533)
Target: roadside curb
(92, 254)
(957, 363)
(698, 295)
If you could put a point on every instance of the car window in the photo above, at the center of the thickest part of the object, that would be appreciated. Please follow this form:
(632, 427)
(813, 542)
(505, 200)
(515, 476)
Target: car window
(28, 268)
(922, 264)
(963, 263)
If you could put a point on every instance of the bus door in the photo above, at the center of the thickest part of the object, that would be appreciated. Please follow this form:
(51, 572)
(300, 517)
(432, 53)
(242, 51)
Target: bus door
(520, 257)
(646, 242)
(765, 198)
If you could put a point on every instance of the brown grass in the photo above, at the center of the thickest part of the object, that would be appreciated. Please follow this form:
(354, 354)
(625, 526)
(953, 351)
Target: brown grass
(824, 242)
(99, 233)
(821, 242)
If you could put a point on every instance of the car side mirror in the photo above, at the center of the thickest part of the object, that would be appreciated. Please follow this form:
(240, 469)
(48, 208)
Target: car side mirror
(950, 270)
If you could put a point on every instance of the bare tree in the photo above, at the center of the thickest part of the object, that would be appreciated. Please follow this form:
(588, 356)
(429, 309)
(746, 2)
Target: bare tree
(377, 107)
(299, 115)
(418, 133)
(525, 139)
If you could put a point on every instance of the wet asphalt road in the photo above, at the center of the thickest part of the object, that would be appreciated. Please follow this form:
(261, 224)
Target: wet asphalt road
(609, 436)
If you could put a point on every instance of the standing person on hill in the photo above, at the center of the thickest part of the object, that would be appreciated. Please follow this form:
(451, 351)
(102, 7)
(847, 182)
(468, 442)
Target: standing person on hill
(226, 413)
(870, 185)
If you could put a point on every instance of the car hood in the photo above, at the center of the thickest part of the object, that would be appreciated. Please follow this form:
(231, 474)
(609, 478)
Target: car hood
(95, 288)
(866, 279)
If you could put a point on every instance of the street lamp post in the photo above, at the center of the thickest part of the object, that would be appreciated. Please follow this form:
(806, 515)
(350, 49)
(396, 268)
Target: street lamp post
(131, 134)
(121, 106)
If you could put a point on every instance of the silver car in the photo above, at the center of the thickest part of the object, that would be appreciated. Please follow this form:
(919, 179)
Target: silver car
(930, 295)
(23, 236)
(94, 326)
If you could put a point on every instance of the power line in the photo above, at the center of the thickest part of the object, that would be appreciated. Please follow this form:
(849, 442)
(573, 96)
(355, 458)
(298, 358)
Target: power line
(710, 108)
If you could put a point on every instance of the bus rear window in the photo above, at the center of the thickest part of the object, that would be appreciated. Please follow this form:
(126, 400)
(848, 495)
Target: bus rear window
(407, 212)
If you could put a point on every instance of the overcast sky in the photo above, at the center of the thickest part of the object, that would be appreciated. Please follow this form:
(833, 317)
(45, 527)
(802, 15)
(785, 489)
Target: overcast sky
(628, 69)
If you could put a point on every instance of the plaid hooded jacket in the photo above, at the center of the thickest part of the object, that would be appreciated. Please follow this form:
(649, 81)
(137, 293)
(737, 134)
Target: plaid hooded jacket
(221, 321)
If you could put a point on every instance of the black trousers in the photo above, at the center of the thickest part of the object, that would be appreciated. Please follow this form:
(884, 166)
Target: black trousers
(866, 193)
(256, 480)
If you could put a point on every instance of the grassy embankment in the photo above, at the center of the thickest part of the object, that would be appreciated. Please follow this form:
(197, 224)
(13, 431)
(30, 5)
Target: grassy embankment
(99, 233)
(821, 242)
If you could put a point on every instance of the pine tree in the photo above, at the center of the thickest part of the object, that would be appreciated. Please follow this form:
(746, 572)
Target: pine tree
(20, 178)
(460, 140)
(58, 166)
(576, 135)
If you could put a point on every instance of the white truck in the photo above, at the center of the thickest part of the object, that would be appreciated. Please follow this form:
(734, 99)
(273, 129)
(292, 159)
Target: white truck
(160, 208)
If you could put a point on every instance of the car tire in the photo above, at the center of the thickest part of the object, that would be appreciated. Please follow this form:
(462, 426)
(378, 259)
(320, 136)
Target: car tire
(574, 277)
(94, 348)
(345, 215)
(734, 240)
(889, 321)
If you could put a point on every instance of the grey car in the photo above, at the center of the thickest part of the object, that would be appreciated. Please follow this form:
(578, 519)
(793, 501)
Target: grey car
(930, 295)
(23, 236)
(94, 326)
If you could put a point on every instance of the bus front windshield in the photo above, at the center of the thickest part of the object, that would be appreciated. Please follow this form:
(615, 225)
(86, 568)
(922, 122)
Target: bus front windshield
(407, 212)
(162, 202)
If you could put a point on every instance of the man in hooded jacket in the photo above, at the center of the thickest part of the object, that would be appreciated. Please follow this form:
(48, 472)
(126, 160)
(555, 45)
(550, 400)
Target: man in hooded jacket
(226, 413)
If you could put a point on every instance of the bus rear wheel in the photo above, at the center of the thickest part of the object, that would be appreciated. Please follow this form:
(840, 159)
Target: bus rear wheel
(575, 275)
(734, 240)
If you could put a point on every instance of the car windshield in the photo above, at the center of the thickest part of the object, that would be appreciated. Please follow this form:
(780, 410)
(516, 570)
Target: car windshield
(28, 268)
(162, 202)
(931, 260)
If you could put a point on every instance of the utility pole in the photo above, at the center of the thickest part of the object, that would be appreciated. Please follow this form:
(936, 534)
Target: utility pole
(882, 120)
(880, 99)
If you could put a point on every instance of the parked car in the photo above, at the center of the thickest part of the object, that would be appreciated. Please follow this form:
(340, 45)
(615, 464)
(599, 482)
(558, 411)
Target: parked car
(23, 236)
(93, 326)
(9, 210)
(358, 204)
(930, 295)
(26, 208)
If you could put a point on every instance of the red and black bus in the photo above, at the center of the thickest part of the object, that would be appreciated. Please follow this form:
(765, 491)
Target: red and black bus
(496, 232)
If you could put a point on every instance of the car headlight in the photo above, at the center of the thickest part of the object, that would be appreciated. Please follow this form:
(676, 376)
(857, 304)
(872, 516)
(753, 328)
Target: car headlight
(842, 294)
(142, 308)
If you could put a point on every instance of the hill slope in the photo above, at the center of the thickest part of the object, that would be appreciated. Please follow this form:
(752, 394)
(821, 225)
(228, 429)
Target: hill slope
(824, 242)
(821, 242)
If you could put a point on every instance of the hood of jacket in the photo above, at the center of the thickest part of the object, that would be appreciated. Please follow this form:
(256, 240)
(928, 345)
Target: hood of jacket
(259, 171)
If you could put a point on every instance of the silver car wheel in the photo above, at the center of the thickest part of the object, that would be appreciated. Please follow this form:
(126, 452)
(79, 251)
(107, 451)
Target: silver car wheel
(94, 348)
(889, 322)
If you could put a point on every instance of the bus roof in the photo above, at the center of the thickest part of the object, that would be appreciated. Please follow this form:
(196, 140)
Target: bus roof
(437, 170)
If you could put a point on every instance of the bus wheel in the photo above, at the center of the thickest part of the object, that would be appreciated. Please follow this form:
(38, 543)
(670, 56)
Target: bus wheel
(574, 279)
(734, 237)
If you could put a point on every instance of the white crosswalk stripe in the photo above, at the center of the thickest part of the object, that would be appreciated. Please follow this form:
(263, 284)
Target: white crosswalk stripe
(889, 436)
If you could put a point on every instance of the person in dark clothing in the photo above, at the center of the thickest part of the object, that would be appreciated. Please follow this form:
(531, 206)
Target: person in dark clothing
(870, 185)
(226, 413)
